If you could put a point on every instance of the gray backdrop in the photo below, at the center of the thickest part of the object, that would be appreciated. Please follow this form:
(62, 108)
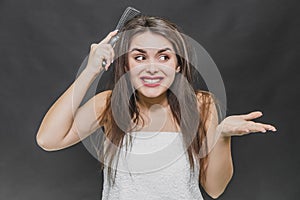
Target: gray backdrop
(253, 42)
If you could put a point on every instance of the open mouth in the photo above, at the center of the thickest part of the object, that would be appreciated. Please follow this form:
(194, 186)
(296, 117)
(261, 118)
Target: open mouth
(151, 81)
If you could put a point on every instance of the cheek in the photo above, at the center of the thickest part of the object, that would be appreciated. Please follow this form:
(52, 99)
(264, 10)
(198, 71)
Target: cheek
(134, 78)
(169, 69)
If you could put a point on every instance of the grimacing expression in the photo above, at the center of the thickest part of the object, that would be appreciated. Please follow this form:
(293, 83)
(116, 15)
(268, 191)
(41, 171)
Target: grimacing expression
(152, 63)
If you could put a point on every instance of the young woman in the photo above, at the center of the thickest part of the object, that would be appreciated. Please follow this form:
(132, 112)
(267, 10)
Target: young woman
(155, 101)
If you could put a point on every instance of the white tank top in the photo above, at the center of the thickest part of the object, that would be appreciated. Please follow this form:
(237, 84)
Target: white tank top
(155, 168)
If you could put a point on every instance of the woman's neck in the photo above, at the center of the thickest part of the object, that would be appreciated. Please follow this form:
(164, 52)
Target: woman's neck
(145, 103)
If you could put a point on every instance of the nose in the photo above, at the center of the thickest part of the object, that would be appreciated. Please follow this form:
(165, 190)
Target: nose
(152, 68)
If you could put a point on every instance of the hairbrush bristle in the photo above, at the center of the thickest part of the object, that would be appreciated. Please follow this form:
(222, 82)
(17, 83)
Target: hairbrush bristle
(128, 14)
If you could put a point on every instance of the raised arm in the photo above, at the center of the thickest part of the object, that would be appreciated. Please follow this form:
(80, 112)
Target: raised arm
(65, 120)
(54, 134)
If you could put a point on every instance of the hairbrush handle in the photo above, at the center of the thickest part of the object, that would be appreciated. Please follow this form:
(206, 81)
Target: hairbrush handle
(112, 42)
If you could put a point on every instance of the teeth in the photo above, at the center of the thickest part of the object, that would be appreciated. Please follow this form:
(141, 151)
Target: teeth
(151, 80)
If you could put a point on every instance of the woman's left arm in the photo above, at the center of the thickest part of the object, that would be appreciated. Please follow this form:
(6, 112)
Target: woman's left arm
(220, 166)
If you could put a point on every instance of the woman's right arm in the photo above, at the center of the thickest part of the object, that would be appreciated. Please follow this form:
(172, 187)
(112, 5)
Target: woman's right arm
(65, 121)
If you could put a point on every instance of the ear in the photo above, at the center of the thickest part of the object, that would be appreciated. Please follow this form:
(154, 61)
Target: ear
(178, 69)
(126, 69)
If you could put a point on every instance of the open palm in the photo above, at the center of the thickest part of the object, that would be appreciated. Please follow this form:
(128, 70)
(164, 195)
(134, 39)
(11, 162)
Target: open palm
(237, 125)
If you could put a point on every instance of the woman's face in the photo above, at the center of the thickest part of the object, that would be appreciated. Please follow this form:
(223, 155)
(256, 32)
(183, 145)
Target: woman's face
(152, 63)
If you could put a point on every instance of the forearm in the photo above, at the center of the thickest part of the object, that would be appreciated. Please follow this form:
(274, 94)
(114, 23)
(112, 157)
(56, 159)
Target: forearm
(60, 116)
(220, 166)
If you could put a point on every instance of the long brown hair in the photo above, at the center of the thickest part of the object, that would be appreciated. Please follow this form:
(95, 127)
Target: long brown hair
(126, 97)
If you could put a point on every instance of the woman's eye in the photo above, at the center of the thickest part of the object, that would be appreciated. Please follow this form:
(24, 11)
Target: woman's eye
(164, 57)
(139, 58)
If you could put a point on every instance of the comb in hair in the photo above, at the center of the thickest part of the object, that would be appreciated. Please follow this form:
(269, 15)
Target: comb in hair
(127, 15)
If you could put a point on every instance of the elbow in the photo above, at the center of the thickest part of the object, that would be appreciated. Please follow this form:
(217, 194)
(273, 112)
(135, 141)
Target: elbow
(44, 145)
(216, 195)
(217, 192)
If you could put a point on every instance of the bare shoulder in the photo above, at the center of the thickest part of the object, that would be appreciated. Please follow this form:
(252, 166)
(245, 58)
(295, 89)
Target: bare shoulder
(204, 97)
(208, 104)
(103, 95)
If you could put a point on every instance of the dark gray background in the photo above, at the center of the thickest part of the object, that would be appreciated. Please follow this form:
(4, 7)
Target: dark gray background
(253, 43)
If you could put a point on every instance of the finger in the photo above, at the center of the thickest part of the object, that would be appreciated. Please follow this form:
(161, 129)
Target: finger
(106, 66)
(252, 115)
(106, 56)
(108, 63)
(112, 54)
(255, 130)
(101, 55)
(256, 127)
(109, 59)
(108, 37)
(110, 51)
(267, 126)
(243, 131)
(93, 45)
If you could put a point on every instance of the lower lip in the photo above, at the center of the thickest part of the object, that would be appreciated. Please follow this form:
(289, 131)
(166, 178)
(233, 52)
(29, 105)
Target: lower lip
(151, 84)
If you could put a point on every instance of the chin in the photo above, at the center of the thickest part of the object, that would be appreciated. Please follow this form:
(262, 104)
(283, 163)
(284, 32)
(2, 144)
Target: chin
(151, 92)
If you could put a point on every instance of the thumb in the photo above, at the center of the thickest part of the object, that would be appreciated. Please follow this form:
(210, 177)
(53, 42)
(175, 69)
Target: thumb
(108, 37)
(252, 115)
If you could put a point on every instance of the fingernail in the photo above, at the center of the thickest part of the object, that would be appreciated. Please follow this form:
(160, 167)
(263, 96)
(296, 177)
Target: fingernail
(273, 128)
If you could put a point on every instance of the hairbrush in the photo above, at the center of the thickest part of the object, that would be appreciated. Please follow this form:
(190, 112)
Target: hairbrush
(127, 15)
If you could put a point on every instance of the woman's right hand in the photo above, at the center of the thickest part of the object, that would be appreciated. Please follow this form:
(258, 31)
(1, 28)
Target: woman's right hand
(99, 52)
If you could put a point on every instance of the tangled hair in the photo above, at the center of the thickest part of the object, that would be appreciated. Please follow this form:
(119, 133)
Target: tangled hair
(182, 113)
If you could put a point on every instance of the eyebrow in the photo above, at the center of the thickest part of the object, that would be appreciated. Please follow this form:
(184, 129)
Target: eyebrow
(143, 51)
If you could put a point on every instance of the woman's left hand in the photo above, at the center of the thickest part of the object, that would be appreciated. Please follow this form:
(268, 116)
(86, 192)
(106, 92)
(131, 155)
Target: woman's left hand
(237, 125)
